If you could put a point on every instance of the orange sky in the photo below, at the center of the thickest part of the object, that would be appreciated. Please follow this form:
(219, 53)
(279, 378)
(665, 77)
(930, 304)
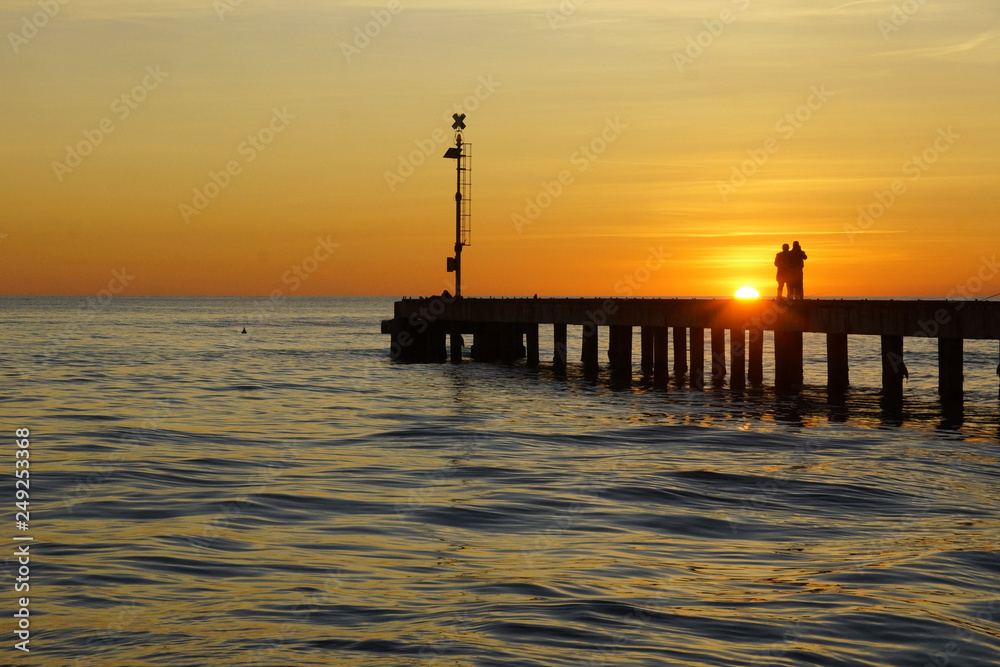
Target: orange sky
(717, 131)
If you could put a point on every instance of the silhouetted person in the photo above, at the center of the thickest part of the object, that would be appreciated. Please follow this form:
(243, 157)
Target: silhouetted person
(781, 261)
(796, 261)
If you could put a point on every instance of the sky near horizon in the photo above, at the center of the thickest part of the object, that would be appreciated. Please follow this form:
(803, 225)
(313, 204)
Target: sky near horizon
(630, 147)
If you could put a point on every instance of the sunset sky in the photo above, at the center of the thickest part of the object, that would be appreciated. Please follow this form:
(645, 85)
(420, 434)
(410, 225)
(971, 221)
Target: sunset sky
(717, 130)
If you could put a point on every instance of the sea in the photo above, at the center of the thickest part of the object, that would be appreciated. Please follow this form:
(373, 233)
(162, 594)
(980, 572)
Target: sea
(293, 497)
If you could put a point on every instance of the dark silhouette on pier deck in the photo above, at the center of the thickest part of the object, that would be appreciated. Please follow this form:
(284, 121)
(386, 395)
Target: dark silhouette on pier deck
(781, 261)
(791, 264)
(796, 265)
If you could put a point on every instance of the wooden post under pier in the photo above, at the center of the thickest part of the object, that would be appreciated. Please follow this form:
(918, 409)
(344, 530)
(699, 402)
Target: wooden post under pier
(680, 354)
(511, 342)
(589, 354)
(756, 370)
(620, 353)
(648, 350)
(456, 344)
(698, 358)
(661, 346)
(534, 357)
(718, 356)
(787, 361)
(893, 367)
(436, 340)
(559, 345)
(738, 358)
(837, 368)
(486, 342)
(950, 370)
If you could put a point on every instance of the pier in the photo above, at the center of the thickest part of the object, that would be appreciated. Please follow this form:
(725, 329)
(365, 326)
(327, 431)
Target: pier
(432, 330)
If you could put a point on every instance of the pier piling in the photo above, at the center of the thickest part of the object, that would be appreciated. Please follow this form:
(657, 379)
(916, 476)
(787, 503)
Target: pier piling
(787, 361)
(738, 358)
(893, 367)
(950, 370)
(531, 333)
(436, 340)
(589, 353)
(680, 354)
(756, 370)
(620, 353)
(559, 353)
(456, 344)
(648, 350)
(661, 346)
(697, 358)
(718, 356)
(486, 342)
(837, 369)
(510, 340)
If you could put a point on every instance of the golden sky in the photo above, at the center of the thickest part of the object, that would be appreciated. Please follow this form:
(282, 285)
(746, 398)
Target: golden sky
(693, 137)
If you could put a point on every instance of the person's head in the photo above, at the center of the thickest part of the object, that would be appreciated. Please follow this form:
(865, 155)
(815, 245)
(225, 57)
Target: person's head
(795, 244)
(784, 246)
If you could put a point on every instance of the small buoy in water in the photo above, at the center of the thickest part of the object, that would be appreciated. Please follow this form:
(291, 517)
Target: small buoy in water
(244, 330)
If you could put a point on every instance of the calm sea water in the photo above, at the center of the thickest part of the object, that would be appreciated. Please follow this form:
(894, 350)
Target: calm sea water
(292, 497)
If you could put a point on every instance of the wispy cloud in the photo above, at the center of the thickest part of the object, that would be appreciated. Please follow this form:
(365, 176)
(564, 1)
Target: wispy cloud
(971, 44)
(879, 6)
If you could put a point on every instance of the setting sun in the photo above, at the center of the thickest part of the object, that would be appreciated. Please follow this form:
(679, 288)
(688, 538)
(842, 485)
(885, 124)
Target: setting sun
(747, 293)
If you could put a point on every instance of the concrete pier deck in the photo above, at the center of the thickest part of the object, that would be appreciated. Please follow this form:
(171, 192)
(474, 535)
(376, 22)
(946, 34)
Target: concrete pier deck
(506, 329)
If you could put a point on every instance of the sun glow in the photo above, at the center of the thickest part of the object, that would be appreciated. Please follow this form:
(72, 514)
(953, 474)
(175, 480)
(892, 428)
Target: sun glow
(747, 293)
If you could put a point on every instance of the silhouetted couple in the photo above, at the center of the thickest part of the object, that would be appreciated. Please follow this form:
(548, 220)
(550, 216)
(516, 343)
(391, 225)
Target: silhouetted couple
(790, 264)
